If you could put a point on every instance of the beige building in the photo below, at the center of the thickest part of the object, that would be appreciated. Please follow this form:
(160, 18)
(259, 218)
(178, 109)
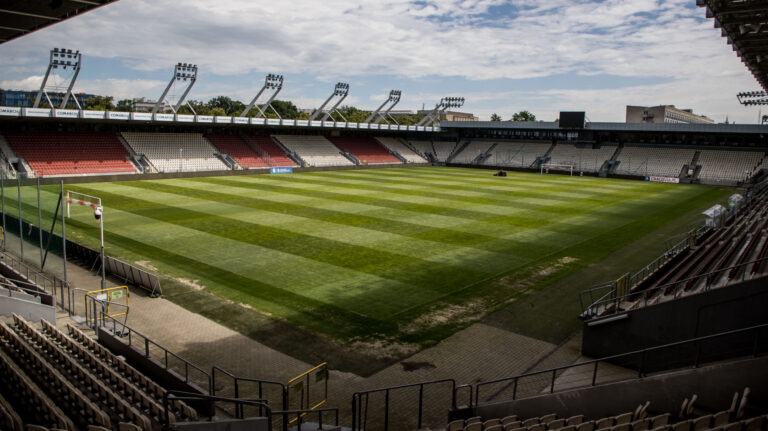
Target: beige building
(452, 116)
(664, 114)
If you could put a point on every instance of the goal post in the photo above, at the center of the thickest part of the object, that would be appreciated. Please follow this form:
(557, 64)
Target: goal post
(82, 199)
(546, 167)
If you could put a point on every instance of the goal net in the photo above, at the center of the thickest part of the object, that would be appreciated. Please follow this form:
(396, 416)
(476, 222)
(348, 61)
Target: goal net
(566, 167)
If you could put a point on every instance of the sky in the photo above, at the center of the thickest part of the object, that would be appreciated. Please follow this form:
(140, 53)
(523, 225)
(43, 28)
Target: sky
(502, 56)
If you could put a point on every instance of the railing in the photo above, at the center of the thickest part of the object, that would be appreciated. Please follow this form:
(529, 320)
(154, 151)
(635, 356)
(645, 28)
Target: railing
(608, 304)
(607, 293)
(147, 346)
(303, 385)
(301, 413)
(37, 280)
(237, 392)
(360, 404)
(190, 396)
(694, 352)
(659, 262)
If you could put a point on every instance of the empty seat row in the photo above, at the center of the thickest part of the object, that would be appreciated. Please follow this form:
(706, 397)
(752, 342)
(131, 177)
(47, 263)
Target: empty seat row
(315, 150)
(516, 154)
(268, 150)
(117, 365)
(145, 392)
(175, 152)
(107, 395)
(366, 149)
(399, 147)
(71, 153)
(238, 149)
(471, 152)
(49, 381)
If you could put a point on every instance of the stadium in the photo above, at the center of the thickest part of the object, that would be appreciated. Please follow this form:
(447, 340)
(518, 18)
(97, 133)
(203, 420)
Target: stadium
(166, 269)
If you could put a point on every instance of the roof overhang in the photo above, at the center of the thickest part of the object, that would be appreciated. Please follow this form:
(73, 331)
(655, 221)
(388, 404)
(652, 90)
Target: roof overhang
(21, 17)
(744, 23)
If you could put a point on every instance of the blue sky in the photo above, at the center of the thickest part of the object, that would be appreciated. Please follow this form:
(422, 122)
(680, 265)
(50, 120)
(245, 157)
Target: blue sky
(503, 56)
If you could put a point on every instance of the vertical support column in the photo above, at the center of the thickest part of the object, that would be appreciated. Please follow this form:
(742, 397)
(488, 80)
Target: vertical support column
(21, 224)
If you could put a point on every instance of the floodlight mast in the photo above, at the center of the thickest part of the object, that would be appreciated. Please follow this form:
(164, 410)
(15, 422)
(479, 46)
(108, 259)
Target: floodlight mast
(272, 82)
(341, 90)
(749, 98)
(181, 72)
(378, 116)
(446, 102)
(61, 58)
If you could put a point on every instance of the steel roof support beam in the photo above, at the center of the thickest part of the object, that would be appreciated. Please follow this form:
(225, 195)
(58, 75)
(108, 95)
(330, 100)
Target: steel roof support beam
(181, 72)
(60, 58)
(341, 90)
(378, 116)
(271, 82)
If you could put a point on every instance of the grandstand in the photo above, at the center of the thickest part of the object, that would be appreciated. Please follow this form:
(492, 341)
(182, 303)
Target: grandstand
(582, 158)
(367, 150)
(175, 152)
(517, 154)
(729, 166)
(654, 161)
(270, 152)
(399, 147)
(237, 147)
(71, 153)
(316, 151)
(471, 152)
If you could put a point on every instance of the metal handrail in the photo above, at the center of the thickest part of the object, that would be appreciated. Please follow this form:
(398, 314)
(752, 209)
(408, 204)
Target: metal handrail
(192, 396)
(237, 380)
(300, 413)
(357, 407)
(591, 310)
(147, 342)
(641, 372)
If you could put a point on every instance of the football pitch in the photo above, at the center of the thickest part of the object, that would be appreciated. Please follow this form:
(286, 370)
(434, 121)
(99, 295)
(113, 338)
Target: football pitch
(404, 254)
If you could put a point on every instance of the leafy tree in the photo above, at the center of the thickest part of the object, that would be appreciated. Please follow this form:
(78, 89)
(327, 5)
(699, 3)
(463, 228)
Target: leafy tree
(99, 103)
(286, 109)
(495, 117)
(230, 107)
(124, 105)
(199, 107)
(523, 116)
(218, 112)
(352, 114)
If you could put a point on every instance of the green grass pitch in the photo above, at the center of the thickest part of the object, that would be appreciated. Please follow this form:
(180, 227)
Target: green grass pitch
(371, 253)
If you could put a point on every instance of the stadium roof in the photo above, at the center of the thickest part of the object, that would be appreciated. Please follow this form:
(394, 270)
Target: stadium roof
(745, 24)
(20, 17)
(609, 127)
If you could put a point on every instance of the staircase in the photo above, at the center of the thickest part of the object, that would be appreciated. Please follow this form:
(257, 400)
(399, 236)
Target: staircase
(459, 148)
(291, 154)
(229, 161)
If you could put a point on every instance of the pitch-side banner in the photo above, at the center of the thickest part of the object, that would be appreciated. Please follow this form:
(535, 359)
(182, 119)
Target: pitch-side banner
(285, 170)
(662, 179)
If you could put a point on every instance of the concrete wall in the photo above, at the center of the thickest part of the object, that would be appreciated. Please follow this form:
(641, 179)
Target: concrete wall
(719, 310)
(714, 385)
(31, 310)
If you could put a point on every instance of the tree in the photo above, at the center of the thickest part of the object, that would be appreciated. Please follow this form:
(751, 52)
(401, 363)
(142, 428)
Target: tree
(124, 105)
(220, 112)
(495, 117)
(523, 116)
(199, 107)
(230, 107)
(99, 103)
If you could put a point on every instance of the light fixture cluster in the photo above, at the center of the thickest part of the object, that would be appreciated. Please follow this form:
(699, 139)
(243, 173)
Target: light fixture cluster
(185, 71)
(341, 89)
(62, 57)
